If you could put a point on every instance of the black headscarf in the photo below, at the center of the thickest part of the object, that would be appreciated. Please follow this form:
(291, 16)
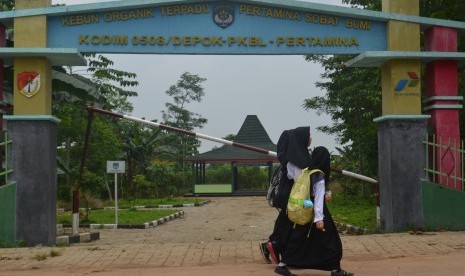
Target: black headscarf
(295, 149)
(322, 160)
(282, 148)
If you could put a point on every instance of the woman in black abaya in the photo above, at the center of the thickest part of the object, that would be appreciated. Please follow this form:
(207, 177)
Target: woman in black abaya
(316, 245)
(293, 155)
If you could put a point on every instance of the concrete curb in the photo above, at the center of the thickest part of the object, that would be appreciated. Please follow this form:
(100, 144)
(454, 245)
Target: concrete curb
(81, 237)
(354, 230)
(162, 206)
(92, 236)
(145, 225)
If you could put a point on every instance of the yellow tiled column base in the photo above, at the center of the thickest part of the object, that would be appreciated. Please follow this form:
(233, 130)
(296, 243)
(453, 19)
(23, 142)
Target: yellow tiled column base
(401, 87)
(31, 32)
(401, 79)
(41, 102)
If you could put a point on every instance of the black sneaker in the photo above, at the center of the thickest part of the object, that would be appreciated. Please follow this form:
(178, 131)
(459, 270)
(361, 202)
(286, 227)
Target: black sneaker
(272, 251)
(341, 273)
(283, 270)
(265, 252)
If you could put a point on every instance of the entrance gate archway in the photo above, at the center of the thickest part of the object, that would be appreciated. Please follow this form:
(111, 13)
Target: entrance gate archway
(46, 36)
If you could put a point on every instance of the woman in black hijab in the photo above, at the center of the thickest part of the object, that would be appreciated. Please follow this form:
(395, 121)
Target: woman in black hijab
(296, 152)
(316, 245)
(292, 150)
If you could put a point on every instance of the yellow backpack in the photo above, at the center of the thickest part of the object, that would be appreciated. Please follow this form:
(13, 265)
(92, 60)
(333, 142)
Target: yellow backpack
(296, 211)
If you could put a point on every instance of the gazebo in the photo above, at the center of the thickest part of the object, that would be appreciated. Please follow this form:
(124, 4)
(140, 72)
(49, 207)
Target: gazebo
(251, 133)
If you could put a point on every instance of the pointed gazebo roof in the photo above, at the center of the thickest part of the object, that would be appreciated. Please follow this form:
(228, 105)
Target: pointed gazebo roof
(251, 133)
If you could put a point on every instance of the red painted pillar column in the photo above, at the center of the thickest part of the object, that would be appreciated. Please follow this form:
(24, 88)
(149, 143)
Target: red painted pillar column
(443, 104)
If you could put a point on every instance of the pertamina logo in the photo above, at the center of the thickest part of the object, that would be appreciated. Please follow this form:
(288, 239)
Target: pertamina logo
(28, 83)
(412, 81)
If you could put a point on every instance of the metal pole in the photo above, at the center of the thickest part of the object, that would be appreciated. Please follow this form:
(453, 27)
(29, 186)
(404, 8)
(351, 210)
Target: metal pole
(440, 161)
(426, 157)
(215, 139)
(81, 170)
(116, 199)
(6, 157)
(455, 163)
(463, 166)
(435, 172)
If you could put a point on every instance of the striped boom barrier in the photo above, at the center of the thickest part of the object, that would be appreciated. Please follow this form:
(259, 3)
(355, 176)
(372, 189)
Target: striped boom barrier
(218, 140)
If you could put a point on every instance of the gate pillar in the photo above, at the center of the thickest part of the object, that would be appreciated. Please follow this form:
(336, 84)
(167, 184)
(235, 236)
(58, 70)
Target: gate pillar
(33, 132)
(402, 128)
(442, 103)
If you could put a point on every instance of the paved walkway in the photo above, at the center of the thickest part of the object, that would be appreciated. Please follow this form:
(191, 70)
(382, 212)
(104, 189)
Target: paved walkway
(221, 238)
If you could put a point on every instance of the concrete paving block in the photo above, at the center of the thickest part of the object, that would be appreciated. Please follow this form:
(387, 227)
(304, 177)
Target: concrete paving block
(110, 226)
(62, 240)
(94, 236)
(84, 237)
(60, 229)
(96, 226)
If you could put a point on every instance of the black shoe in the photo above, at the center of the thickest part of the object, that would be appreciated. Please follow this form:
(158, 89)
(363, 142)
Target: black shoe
(341, 273)
(265, 252)
(283, 270)
(272, 251)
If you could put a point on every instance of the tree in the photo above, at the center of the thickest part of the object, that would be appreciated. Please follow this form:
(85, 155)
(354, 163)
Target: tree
(353, 95)
(142, 146)
(230, 137)
(112, 83)
(186, 90)
(71, 94)
(353, 100)
(7, 5)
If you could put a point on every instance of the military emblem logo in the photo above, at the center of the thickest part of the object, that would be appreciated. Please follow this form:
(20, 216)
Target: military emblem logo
(223, 15)
(28, 83)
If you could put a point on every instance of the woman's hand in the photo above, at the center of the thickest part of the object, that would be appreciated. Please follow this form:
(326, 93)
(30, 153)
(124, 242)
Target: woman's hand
(320, 225)
(328, 196)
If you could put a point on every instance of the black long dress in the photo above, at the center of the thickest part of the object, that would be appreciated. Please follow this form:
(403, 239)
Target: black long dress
(291, 147)
(313, 248)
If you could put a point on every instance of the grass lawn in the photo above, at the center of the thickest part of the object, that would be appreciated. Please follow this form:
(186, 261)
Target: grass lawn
(124, 216)
(355, 210)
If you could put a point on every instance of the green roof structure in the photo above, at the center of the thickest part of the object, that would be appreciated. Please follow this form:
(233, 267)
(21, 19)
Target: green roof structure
(251, 133)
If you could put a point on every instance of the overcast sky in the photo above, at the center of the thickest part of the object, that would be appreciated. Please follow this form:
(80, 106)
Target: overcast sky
(271, 87)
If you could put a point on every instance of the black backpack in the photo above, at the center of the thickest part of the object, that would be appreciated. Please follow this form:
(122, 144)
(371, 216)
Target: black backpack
(280, 188)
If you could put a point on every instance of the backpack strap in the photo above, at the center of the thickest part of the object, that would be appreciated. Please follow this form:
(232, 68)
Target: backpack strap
(301, 201)
(315, 176)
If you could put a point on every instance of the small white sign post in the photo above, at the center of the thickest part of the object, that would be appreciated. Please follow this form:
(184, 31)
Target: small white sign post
(116, 167)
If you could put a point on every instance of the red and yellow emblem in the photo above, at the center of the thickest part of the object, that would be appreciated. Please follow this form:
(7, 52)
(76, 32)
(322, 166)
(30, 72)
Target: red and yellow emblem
(28, 83)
